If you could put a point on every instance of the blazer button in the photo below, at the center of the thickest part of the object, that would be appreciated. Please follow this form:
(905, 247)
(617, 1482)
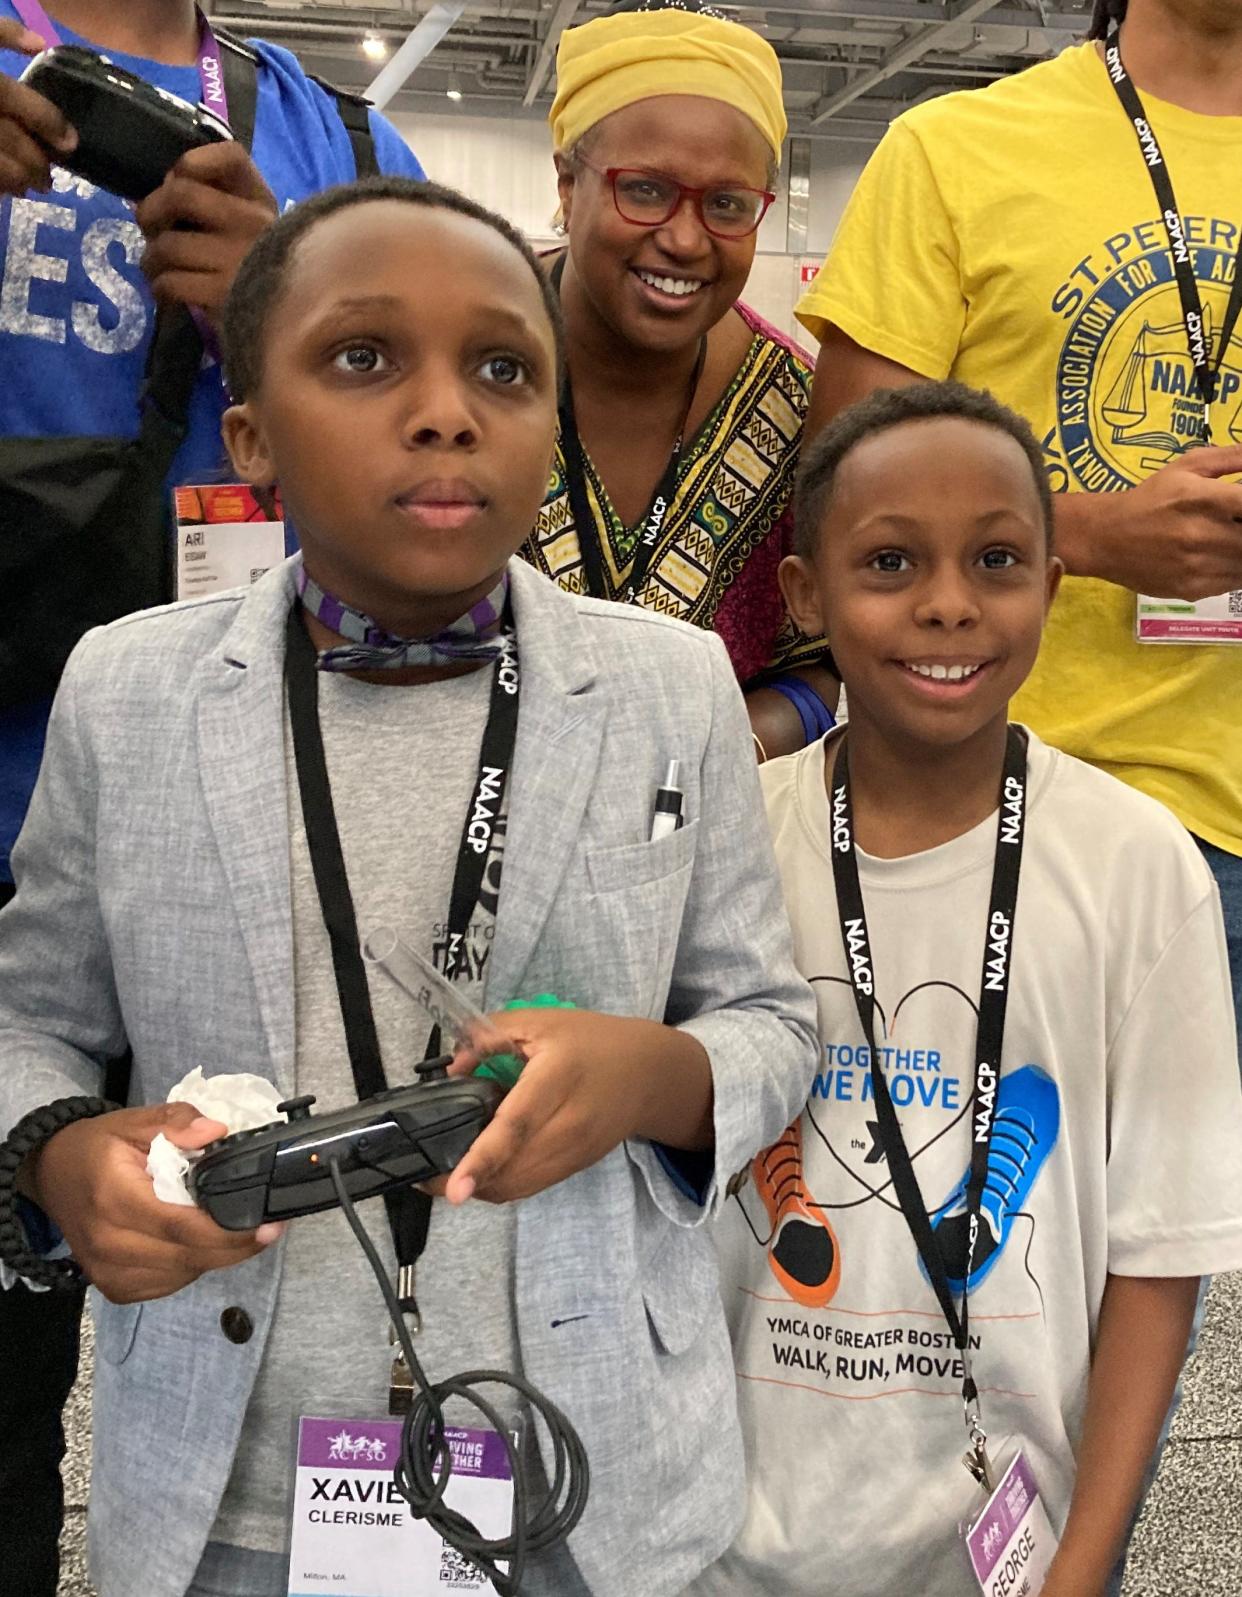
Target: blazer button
(237, 1325)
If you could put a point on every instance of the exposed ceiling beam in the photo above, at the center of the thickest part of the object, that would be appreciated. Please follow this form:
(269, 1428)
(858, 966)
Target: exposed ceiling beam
(910, 11)
(559, 21)
(905, 11)
(909, 50)
(424, 37)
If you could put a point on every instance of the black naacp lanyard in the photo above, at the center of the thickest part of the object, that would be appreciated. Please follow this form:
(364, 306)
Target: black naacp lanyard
(409, 1211)
(1206, 369)
(590, 537)
(993, 1001)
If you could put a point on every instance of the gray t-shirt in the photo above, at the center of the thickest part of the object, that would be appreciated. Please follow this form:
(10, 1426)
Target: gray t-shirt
(402, 764)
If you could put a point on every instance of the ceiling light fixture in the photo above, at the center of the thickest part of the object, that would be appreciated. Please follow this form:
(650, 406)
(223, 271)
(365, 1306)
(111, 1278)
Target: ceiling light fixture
(454, 88)
(374, 47)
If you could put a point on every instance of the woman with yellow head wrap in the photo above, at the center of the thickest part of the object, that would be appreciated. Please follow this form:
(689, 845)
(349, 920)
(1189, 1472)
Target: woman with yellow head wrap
(682, 411)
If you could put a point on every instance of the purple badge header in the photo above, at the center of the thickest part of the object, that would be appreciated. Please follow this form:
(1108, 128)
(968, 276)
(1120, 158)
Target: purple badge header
(1001, 1518)
(376, 1445)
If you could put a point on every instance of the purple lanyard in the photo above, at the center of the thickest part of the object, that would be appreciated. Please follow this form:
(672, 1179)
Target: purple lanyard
(210, 66)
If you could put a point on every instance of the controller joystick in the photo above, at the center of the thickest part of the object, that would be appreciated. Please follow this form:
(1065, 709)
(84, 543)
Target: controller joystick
(395, 1139)
(296, 1108)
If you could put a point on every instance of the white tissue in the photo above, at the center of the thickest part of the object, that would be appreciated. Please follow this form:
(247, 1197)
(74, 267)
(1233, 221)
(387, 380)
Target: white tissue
(242, 1102)
(167, 1166)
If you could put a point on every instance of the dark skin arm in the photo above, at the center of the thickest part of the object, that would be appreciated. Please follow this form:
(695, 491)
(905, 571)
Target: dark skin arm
(1144, 1328)
(776, 723)
(1178, 534)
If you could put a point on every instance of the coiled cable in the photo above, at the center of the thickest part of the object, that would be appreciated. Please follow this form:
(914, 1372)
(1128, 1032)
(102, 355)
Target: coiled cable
(425, 1465)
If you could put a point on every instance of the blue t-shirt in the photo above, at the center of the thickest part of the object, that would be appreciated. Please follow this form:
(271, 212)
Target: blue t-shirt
(76, 313)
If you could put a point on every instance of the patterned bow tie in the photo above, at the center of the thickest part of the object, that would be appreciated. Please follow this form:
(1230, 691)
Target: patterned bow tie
(474, 636)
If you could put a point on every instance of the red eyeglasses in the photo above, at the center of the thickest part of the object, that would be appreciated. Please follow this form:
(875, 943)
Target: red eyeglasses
(648, 199)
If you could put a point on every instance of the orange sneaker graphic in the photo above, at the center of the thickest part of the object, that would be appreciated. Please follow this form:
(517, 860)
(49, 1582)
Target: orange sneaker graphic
(802, 1254)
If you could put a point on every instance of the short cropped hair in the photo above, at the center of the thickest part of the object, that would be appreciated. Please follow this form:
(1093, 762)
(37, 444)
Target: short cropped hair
(892, 407)
(264, 272)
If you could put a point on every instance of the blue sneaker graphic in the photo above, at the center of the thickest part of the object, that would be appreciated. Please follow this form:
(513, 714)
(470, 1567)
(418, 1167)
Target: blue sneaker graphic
(1028, 1120)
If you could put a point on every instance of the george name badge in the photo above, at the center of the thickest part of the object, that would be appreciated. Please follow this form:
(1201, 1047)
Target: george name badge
(1011, 1544)
(226, 538)
(353, 1533)
(1215, 620)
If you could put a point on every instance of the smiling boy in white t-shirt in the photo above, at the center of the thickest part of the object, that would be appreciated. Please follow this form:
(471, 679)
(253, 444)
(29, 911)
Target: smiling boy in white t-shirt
(1109, 1172)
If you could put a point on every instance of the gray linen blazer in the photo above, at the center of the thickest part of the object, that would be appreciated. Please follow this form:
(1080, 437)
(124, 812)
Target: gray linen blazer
(153, 908)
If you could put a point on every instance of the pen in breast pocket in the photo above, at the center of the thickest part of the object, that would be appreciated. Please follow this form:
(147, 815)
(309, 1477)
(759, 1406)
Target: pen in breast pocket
(669, 799)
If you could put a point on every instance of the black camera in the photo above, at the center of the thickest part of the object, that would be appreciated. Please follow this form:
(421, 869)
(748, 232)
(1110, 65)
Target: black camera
(130, 133)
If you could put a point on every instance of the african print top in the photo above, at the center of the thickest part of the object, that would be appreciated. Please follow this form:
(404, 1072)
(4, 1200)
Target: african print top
(730, 522)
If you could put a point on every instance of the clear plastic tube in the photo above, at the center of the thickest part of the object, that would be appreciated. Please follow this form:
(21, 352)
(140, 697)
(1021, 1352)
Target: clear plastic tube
(461, 1023)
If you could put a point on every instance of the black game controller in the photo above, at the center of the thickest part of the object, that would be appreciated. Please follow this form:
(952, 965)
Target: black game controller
(405, 1135)
(130, 134)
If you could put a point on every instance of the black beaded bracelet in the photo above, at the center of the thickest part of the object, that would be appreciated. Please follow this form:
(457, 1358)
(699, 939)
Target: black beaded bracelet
(31, 1132)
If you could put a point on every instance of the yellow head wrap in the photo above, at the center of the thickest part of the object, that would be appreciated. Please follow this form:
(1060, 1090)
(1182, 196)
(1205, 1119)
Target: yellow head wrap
(616, 61)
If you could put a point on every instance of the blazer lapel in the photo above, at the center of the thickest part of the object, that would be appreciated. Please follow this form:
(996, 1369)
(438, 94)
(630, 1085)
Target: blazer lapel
(242, 765)
(560, 728)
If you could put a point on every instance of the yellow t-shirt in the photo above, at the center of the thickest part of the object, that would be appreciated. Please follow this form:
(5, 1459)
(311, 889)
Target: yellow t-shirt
(1010, 237)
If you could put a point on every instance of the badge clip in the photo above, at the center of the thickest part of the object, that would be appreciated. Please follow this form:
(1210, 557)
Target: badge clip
(400, 1387)
(400, 1379)
(976, 1460)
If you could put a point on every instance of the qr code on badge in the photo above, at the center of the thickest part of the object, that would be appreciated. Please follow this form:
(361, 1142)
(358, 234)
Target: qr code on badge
(1235, 602)
(458, 1572)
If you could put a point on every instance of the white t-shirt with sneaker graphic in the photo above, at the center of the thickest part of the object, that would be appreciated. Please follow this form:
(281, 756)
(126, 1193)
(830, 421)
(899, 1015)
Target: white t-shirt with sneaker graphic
(1117, 1148)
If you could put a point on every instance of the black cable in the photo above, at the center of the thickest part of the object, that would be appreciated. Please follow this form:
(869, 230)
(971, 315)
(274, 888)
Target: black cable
(423, 1471)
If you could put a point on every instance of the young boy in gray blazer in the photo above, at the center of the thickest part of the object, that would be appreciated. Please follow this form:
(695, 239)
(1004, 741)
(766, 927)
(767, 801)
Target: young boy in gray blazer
(393, 351)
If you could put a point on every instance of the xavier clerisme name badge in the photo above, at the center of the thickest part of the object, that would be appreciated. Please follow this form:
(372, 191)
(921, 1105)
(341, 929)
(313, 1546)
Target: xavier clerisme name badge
(1012, 1544)
(353, 1533)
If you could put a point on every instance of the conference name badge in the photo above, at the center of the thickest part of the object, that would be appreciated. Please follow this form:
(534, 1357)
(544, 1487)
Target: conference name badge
(353, 1534)
(1215, 620)
(1011, 1544)
(227, 537)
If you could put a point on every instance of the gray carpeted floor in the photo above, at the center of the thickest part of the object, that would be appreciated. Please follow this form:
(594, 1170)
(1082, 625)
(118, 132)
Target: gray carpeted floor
(1189, 1542)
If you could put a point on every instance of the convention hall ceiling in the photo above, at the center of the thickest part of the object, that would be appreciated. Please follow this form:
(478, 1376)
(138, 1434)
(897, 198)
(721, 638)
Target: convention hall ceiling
(849, 65)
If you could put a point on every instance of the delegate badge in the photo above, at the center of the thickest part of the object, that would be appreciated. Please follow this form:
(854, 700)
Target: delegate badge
(227, 537)
(353, 1533)
(1216, 620)
(1011, 1544)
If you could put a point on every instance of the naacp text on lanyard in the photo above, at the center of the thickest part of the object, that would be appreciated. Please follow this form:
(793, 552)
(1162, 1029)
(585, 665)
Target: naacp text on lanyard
(1206, 369)
(1217, 619)
(590, 536)
(408, 1210)
(993, 1001)
(210, 66)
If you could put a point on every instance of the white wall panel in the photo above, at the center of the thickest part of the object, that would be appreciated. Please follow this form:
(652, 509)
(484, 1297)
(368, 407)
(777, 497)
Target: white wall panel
(835, 169)
(504, 163)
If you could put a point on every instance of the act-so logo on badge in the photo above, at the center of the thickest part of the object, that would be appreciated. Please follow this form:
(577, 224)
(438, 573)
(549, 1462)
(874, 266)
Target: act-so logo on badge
(1127, 396)
(349, 1449)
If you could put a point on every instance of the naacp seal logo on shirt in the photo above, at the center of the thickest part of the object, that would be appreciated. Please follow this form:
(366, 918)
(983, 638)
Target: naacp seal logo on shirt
(1127, 401)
